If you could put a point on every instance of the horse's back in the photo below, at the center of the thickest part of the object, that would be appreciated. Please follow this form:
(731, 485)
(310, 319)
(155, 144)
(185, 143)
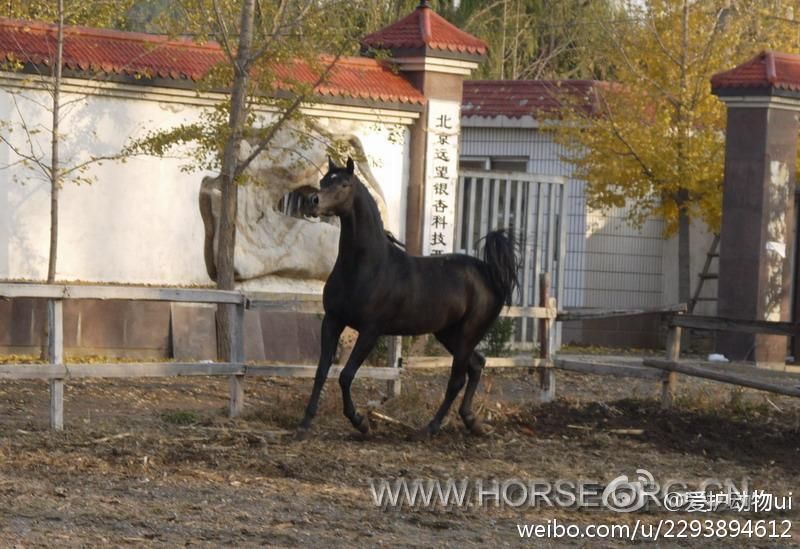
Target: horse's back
(444, 290)
(407, 295)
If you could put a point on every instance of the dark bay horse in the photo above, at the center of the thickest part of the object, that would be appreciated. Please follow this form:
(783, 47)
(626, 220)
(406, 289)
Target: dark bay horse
(377, 289)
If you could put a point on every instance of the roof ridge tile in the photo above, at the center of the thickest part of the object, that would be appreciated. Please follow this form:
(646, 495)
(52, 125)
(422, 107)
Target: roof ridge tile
(768, 69)
(424, 27)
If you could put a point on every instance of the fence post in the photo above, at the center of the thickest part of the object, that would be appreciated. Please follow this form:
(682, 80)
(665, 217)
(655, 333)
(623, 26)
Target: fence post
(670, 379)
(393, 386)
(55, 355)
(547, 377)
(236, 381)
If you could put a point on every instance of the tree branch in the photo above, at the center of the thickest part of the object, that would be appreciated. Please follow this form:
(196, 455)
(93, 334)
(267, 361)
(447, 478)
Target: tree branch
(97, 159)
(621, 138)
(223, 34)
(28, 132)
(284, 117)
(664, 49)
(25, 158)
(635, 70)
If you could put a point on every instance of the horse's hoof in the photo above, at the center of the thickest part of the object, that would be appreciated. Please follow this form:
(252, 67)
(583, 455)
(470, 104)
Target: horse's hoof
(475, 426)
(478, 429)
(426, 433)
(421, 435)
(363, 425)
(302, 433)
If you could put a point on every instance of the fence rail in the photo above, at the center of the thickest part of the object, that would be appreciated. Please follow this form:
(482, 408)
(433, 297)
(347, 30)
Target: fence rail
(715, 323)
(175, 369)
(596, 314)
(57, 371)
(666, 369)
(286, 303)
(125, 293)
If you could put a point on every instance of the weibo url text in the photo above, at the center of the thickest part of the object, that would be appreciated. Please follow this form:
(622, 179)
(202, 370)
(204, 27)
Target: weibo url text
(663, 529)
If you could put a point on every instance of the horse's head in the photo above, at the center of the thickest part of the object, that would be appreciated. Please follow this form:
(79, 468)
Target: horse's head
(336, 193)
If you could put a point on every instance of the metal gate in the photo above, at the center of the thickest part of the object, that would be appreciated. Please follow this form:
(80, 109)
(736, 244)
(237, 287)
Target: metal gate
(532, 207)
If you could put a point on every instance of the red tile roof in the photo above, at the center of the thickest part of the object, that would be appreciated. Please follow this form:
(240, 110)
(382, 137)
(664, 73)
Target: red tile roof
(425, 28)
(768, 69)
(518, 98)
(112, 52)
(357, 78)
(151, 56)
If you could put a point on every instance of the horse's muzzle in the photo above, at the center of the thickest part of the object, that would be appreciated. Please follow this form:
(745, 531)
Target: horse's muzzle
(311, 205)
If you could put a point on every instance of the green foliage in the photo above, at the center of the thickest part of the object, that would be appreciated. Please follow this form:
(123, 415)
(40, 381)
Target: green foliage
(91, 13)
(149, 15)
(537, 39)
(531, 39)
(434, 348)
(180, 417)
(379, 356)
(497, 341)
(408, 343)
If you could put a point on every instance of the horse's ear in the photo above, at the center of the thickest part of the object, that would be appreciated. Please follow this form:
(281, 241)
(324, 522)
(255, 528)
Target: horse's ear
(350, 165)
(331, 165)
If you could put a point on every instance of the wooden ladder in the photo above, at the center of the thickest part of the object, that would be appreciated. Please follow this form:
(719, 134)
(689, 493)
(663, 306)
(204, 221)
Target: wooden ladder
(713, 253)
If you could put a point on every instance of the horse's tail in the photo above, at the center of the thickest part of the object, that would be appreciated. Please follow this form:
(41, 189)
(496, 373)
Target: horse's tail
(499, 253)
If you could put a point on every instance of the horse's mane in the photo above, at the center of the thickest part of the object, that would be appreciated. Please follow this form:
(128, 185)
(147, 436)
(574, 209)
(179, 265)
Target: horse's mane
(372, 206)
(394, 240)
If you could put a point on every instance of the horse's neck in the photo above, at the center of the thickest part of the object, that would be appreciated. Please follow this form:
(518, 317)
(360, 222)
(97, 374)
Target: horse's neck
(362, 230)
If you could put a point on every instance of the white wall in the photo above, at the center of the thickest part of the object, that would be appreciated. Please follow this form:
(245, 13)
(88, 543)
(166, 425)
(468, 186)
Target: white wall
(139, 221)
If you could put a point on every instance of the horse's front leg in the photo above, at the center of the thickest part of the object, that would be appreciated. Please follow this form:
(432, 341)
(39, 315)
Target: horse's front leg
(364, 344)
(331, 330)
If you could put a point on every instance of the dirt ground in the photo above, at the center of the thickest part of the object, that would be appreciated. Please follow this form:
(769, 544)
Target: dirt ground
(156, 462)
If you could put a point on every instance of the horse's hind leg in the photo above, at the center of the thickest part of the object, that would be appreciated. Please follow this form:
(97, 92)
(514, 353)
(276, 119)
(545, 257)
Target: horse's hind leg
(364, 344)
(458, 374)
(474, 368)
(453, 341)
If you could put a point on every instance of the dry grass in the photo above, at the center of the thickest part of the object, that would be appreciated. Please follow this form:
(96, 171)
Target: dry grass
(157, 462)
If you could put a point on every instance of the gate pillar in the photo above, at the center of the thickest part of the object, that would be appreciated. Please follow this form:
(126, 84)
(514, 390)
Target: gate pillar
(756, 264)
(435, 57)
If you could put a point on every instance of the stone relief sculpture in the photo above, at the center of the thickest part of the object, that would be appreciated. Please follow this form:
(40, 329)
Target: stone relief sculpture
(270, 243)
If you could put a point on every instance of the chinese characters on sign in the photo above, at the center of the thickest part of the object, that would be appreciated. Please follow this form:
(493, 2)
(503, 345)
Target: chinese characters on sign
(441, 177)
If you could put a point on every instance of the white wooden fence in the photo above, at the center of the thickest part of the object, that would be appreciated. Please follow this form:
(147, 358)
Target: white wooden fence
(58, 371)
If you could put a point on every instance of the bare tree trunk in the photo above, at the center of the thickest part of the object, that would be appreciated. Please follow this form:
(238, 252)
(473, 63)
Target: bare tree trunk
(503, 42)
(55, 182)
(684, 222)
(684, 255)
(55, 173)
(227, 225)
(514, 72)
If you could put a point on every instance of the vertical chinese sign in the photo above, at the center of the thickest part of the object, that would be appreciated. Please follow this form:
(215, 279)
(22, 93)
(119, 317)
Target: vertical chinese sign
(441, 176)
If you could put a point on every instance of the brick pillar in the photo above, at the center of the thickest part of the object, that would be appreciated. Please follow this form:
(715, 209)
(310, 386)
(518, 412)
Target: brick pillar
(758, 221)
